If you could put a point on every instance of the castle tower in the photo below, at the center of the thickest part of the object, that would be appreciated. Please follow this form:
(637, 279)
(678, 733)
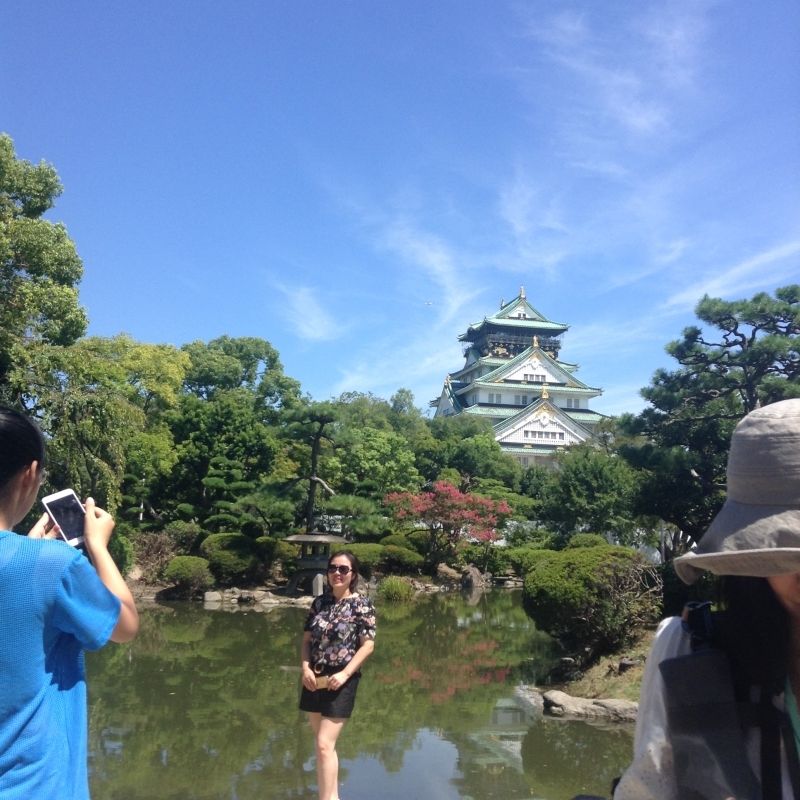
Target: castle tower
(512, 376)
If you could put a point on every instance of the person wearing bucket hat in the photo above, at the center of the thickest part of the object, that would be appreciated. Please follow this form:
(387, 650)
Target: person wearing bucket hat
(718, 715)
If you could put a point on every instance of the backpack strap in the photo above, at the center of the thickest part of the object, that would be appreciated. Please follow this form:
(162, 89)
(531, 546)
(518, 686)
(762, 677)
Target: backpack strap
(699, 622)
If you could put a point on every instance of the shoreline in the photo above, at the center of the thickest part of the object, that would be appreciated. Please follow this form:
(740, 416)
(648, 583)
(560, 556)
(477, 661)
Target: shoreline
(606, 692)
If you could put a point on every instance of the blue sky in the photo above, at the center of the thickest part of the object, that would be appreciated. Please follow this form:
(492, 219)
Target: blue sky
(358, 181)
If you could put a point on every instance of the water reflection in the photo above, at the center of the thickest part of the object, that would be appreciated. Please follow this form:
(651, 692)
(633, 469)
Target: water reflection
(204, 705)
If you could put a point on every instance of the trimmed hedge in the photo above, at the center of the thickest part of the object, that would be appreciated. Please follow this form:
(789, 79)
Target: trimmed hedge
(232, 557)
(587, 540)
(396, 539)
(400, 559)
(524, 559)
(368, 555)
(593, 599)
(189, 574)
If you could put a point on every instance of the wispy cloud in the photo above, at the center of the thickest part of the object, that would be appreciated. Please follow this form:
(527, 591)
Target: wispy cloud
(306, 316)
(630, 73)
(748, 275)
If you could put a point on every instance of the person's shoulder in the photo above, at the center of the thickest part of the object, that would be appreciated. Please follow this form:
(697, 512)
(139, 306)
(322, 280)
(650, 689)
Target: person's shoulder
(360, 600)
(671, 639)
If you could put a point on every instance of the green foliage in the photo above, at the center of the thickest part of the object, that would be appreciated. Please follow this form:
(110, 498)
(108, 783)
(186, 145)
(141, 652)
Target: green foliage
(375, 462)
(393, 589)
(232, 557)
(593, 599)
(592, 490)
(417, 539)
(121, 549)
(587, 540)
(189, 574)
(524, 559)
(265, 548)
(285, 553)
(401, 559)
(496, 560)
(39, 270)
(396, 539)
(368, 555)
(745, 354)
(186, 536)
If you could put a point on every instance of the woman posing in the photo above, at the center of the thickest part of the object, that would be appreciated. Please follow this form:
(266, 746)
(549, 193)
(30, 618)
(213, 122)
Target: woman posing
(718, 716)
(339, 635)
(54, 605)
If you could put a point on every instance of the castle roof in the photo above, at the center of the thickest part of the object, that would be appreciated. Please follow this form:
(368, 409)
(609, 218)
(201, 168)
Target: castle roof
(519, 314)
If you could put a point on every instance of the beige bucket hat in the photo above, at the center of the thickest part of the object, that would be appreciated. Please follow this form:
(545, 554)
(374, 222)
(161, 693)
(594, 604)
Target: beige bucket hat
(757, 530)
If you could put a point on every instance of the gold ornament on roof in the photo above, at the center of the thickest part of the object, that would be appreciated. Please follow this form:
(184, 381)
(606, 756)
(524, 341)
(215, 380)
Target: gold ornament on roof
(535, 341)
(545, 392)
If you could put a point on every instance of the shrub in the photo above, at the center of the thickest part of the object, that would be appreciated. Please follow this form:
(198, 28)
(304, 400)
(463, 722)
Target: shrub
(396, 539)
(286, 553)
(587, 540)
(153, 552)
(186, 536)
(368, 556)
(121, 549)
(401, 559)
(394, 589)
(419, 540)
(524, 559)
(189, 574)
(265, 548)
(231, 557)
(493, 559)
(593, 599)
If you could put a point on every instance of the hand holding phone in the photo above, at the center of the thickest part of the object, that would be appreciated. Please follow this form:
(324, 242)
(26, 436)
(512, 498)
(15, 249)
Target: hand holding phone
(67, 512)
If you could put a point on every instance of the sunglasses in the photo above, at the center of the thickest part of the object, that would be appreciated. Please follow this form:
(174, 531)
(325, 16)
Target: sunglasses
(342, 569)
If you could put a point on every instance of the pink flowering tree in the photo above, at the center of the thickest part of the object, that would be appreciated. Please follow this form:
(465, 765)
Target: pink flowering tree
(449, 516)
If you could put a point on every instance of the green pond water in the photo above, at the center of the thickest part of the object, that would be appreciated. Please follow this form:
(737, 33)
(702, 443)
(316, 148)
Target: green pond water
(204, 705)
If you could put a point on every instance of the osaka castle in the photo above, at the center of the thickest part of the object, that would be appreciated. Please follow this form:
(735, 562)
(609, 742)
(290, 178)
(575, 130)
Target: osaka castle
(513, 376)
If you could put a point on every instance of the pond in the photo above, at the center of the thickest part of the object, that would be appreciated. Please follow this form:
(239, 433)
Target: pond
(204, 705)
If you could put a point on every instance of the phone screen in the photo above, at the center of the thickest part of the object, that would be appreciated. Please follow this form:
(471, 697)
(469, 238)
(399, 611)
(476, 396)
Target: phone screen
(69, 515)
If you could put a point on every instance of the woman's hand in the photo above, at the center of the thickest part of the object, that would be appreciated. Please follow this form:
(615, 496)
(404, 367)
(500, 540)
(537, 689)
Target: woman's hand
(44, 528)
(309, 679)
(338, 680)
(97, 526)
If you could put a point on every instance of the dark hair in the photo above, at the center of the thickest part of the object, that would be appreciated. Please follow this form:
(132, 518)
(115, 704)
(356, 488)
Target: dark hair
(353, 566)
(21, 443)
(754, 632)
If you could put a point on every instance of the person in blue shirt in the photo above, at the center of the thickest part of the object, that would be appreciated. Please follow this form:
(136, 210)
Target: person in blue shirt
(54, 604)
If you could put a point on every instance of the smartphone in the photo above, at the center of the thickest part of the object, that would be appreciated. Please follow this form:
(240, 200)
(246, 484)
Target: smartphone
(66, 510)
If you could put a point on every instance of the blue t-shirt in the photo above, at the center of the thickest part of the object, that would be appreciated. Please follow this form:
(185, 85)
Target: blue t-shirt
(52, 607)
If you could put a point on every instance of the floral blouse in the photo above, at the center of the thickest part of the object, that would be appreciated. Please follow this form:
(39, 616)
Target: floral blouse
(338, 627)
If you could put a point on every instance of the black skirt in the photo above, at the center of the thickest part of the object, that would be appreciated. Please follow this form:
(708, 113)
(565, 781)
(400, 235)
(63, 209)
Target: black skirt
(336, 704)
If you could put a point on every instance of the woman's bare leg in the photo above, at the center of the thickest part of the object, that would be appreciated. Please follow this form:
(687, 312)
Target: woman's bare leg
(326, 732)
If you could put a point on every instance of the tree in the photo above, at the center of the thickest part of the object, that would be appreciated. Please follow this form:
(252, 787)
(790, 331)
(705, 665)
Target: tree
(374, 462)
(591, 491)
(39, 268)
(311, 426)
(754, 359)
(240, 363)
(449, 515)
(749, 354)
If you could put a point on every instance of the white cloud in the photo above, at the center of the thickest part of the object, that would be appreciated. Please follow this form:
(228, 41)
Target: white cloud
(746, 276)
(307, 317)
